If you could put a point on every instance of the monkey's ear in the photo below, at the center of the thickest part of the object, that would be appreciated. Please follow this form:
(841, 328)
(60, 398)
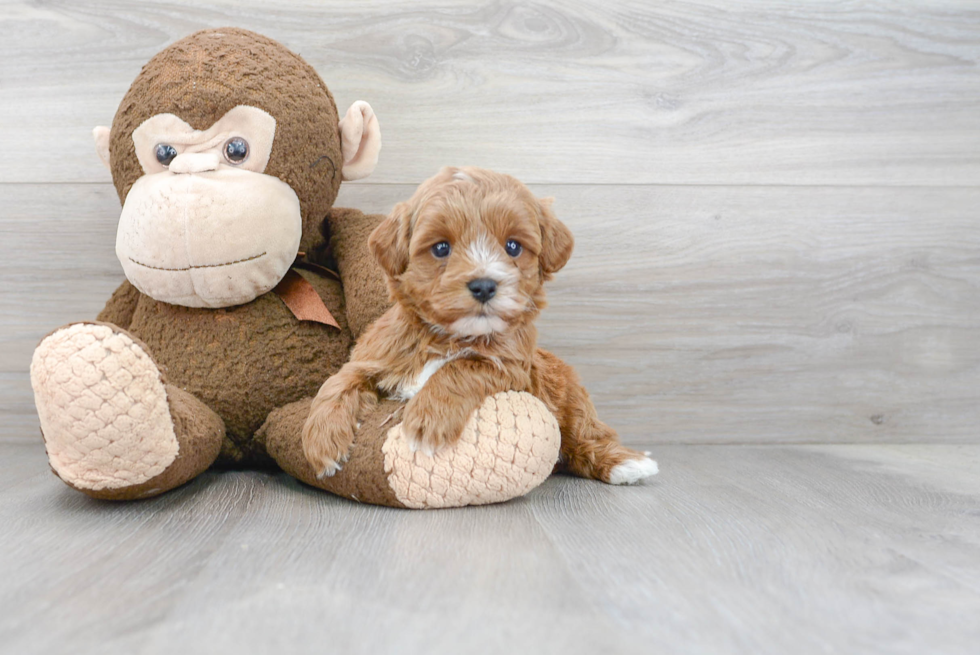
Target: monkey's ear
(360, 141)
(389, 241)
(557, 241)
(101, 136)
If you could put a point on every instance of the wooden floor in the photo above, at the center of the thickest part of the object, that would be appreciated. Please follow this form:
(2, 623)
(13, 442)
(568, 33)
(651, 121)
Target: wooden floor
(749, 549)
(776, 288)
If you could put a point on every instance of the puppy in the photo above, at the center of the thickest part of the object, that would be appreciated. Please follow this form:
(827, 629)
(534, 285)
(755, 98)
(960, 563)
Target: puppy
(465, 258)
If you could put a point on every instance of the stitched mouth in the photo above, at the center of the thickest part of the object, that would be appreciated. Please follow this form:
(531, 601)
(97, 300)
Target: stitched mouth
(193, 268)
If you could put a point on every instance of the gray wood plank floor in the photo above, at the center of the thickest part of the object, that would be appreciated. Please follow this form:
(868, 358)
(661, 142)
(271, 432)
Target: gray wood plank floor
(762, 549)
(776, 288)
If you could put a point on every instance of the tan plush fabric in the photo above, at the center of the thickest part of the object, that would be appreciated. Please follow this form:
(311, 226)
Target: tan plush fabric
(256, 127)
(101, 135)
(509, 447)
(202, 231)
(203, 76)
(174, 242)
(199, 433)
(216, 239)
(104, 408)
(360, 136)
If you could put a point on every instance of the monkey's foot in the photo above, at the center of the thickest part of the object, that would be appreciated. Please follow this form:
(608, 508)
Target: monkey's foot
(105, 416)
(508, 447)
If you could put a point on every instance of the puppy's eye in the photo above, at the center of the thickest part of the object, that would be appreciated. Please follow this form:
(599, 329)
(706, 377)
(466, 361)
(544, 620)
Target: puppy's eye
(441, 250)
(513, 248)
(236, 150)
(165, 153)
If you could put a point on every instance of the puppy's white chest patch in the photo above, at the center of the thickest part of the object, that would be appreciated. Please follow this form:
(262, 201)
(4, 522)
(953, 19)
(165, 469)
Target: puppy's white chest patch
(407, 390)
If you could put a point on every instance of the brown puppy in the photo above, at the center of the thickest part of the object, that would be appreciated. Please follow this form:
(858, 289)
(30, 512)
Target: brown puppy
(466, 258)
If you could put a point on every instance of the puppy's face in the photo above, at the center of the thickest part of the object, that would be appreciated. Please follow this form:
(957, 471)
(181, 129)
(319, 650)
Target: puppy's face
(469, 251)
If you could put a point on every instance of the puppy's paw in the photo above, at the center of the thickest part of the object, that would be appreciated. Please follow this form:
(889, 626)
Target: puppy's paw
(327, 439)
(327, 468)
(431, 426)
(632, 471)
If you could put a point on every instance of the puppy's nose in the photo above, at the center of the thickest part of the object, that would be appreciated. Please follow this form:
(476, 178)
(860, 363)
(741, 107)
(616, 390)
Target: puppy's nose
(482, 289)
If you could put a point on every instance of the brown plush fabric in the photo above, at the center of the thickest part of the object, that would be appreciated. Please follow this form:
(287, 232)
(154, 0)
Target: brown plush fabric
(244, 361)
(366, 291)
(118, 310)
(202, 76)
(199, 434)
(363, 476)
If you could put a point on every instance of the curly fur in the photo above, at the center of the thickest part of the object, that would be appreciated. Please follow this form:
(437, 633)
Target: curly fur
(443, 349)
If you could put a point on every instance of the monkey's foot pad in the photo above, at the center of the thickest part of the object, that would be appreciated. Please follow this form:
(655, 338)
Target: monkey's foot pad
(103, 408)
(509, 446)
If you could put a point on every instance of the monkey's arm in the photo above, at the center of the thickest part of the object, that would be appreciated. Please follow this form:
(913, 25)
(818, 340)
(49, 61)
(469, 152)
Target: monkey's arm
(121, 306)
(365, 290)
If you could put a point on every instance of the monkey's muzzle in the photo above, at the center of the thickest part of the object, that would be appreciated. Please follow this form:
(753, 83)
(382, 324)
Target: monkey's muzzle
(214, 238)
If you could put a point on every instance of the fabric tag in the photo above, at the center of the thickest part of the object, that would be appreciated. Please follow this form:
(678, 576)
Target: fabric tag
(303, 300)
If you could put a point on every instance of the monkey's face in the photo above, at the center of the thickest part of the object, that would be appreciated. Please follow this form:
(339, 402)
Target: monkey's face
(227, 152)
(205, 226)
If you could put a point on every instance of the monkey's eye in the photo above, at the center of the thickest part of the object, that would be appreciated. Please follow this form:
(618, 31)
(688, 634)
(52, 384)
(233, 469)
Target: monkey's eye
(236, 150)
(165, 153)
(513, 248)
(441, 250)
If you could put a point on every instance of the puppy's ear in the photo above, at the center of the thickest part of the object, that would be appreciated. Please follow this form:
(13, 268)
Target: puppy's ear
(389, 241)
(556, 240)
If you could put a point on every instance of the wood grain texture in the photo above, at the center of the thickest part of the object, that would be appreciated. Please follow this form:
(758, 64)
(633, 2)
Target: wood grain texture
(869, 549)
(694, 314)
(775, 206)
(760, 92)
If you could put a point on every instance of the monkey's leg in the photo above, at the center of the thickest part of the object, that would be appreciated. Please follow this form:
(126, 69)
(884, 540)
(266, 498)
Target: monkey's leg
(508, 447)
(113, 428)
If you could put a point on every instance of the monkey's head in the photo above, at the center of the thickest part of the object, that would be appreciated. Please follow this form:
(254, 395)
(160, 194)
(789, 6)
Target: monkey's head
(227, 154)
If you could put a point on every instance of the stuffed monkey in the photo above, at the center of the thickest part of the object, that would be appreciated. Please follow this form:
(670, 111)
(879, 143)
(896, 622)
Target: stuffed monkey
(227, 153)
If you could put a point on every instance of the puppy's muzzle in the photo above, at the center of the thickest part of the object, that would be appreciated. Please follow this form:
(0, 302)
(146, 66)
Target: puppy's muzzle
(483, 289)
